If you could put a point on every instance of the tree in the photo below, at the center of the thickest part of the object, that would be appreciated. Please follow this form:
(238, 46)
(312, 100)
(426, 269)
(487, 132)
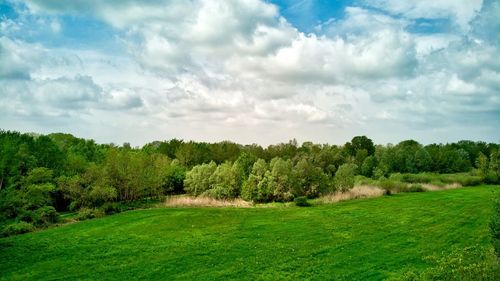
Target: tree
(494, 166)
(344, 177)
(174, 178)
(198, 179)
(358, 143)
(368, 166)
(482, 165)
(225, 182)
(423, 160)
(255, 188)
(281, 180)
(245, 163)
(311, 181)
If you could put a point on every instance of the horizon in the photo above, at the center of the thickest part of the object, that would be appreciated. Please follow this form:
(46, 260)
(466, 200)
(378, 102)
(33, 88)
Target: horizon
(299, 142)
(252, 71)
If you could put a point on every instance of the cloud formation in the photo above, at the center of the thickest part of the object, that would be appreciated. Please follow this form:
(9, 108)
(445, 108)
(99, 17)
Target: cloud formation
(239, 70)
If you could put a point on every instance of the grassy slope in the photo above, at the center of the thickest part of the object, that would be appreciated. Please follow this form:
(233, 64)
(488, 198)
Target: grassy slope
(361, 239)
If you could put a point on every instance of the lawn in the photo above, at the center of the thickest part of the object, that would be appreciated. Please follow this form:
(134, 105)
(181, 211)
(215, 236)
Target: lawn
(370, 239)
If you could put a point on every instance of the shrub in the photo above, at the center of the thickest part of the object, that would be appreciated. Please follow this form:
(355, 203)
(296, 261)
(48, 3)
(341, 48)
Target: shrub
(344, 177)
(415, 188)
(461, 264)
(87, 213)
(45, 215)
(392, 186)
(110, 208)
(301, 201)
(17, 228)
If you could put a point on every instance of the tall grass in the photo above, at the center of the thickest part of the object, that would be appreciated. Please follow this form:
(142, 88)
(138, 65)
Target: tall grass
(189, 201)
(362, 191)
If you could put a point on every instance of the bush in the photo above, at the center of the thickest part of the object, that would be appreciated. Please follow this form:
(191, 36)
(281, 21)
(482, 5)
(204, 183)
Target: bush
(301, 201)
(110, 208)
(17, 228)
(415, 188)
(392, 185)
(45, 216)
(87, 213)
(344, 177)
(461, 264)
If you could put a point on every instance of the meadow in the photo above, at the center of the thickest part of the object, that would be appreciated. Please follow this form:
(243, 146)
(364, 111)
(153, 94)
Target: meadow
(367, 239)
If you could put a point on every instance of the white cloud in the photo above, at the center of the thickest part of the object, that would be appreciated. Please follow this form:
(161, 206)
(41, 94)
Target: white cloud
(460, 12)
(238, 70)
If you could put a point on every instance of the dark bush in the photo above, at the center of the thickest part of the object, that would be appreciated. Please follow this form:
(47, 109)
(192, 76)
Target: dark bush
(301, 201)
(110, 208)
(415, 188)
(45, 215)
(17, 228)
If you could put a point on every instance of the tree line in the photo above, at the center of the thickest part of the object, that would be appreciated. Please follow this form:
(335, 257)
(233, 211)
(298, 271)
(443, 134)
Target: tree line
(41, 175)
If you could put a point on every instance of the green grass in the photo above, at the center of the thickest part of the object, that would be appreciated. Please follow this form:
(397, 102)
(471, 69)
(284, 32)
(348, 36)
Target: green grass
(369, 239)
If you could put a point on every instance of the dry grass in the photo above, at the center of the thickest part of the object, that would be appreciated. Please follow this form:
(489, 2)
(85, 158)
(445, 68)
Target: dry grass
(432, 187)
(188, 201)
(361, 191)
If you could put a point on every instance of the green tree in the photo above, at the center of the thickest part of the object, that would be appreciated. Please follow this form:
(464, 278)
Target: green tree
(311, 181)
(225, 182)
(198, 179)
(255, 188)
(358, 143)
(174, 178)
(368, 166)
(281, 180)
(482, 165)
(423, 160)
(344, 177)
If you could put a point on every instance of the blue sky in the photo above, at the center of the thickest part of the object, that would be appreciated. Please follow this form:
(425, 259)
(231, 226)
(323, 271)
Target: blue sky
(251, 70)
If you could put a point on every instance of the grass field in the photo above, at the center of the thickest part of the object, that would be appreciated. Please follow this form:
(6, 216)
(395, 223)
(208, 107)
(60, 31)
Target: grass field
(369, 239)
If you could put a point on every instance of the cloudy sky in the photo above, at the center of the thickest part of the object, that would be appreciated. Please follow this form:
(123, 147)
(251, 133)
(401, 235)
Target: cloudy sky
(252, 71)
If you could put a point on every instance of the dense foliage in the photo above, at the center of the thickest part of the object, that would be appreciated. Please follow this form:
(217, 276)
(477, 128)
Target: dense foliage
(41, 175)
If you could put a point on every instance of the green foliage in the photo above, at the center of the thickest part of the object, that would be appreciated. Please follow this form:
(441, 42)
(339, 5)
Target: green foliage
(415, 188)
(467, 264)
(225, 182)
(110, 208)
(38, 195)
(311, 180)
(301, 201)
(100, 194)
(45, 216)
(255, 187)
(38, 176)
(69, 173)
(344, 177)
(174, 178)
(89, 213)
(393, 186)
(198, 179)
(360, 143)
(17, 228)
(368, 166)
(281, 180)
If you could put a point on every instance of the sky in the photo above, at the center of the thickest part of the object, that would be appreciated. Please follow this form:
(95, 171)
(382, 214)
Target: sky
(252, 71)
